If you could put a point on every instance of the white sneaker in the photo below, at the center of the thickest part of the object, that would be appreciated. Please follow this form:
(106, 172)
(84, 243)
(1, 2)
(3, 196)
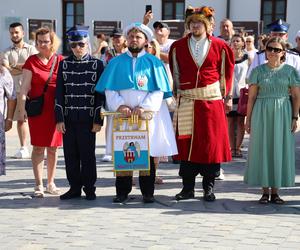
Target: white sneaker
(106, 158)
(22, 153)
(221, 176)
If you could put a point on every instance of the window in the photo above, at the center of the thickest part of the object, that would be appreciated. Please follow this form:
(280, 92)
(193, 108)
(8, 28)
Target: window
(272, 10)
(73, 13)
(173, 9)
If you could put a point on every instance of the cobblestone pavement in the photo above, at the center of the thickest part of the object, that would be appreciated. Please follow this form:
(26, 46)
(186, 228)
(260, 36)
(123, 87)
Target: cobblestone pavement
(234, 221)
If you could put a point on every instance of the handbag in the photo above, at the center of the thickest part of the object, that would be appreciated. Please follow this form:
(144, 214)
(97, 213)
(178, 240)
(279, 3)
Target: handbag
(243, 100)
(34, 106)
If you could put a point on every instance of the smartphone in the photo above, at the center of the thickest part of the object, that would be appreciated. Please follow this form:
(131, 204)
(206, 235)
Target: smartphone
(148, 8)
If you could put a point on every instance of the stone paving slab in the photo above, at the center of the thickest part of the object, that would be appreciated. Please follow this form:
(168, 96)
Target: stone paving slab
(234, 221)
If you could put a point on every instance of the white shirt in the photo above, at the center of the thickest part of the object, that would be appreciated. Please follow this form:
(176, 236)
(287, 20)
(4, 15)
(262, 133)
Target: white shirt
(165, 48)
(240, 72)
(199, 48)
(251, 53)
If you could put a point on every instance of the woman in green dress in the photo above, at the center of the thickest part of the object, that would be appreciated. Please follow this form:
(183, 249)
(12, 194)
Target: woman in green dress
(271, 123)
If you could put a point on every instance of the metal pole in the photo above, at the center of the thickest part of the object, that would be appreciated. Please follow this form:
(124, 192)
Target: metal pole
(228, 9)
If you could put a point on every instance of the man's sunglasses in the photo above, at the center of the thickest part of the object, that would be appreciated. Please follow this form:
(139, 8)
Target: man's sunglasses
(74, 45)
(275, 50)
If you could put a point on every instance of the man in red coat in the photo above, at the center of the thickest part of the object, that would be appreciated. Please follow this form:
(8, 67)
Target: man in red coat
(202, 67)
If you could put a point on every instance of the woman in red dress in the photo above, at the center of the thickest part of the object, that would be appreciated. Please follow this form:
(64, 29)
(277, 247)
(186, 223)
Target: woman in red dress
(43, 134)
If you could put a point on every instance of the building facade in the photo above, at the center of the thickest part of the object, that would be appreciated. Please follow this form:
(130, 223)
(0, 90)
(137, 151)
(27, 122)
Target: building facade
(66, 13)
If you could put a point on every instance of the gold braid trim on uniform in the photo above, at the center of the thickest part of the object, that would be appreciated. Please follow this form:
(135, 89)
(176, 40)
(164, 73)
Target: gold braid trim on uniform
(223, 78)
(183, 115)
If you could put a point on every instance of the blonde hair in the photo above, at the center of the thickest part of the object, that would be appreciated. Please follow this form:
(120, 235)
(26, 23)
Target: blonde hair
(55, 41)
(155, 45)
(250, 37)
(198, 18)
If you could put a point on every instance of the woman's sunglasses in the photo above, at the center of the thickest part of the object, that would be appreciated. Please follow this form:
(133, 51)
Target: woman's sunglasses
(275, 50)
(74, 45)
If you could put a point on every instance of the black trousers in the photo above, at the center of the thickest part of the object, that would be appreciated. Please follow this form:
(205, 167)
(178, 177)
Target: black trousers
(189, 170)
(79, 151)
(124, 183)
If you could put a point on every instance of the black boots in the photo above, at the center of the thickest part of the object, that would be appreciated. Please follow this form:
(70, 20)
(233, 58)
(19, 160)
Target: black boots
(71, 194)
(185, 195)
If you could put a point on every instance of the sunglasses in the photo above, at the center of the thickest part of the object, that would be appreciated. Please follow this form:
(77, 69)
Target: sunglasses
(147, 46)
(74, 45)
(275, 50)
(43, 42)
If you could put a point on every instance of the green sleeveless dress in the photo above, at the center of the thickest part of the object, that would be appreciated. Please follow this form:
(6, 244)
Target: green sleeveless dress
(271, 153)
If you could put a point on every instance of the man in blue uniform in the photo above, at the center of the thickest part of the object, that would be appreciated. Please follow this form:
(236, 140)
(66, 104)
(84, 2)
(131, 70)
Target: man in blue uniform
(77, 111)
(278, 28)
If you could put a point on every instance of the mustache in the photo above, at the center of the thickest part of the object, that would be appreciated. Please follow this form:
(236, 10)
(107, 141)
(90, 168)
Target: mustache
(16, 41)
(134, 49)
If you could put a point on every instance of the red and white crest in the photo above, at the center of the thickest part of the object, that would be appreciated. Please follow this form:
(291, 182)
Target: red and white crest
(142, 80)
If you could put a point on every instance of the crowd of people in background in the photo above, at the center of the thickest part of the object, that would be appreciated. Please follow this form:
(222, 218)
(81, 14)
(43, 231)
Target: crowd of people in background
(197, 82)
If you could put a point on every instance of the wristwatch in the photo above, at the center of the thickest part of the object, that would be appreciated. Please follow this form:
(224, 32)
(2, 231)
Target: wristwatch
(295, 118)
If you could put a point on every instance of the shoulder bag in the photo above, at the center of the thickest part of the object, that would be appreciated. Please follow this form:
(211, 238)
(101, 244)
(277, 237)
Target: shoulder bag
(34, 106)
(243, 100)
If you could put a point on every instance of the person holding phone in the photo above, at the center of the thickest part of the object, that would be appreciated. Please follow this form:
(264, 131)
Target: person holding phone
(161, 33)
(148, 8)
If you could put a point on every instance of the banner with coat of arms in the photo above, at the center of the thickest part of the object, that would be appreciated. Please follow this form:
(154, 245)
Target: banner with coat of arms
(131, 150)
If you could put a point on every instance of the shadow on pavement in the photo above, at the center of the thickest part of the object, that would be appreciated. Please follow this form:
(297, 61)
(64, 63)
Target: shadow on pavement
(245, 201)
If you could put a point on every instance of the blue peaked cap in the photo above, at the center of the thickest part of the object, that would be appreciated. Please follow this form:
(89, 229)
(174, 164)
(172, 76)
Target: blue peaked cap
(77, 33)
(278, 26)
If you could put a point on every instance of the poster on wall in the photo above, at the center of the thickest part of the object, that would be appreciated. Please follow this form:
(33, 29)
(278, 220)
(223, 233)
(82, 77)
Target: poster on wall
(105, 27)
(249, 28)
(34, 24)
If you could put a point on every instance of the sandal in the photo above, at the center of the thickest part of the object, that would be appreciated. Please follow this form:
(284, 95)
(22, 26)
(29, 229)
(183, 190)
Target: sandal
(276, 199)
(52, 189)
(164, 159)
(233, 154)
(39, 191)
(238, 153)
(264, 199)
(158, 180)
